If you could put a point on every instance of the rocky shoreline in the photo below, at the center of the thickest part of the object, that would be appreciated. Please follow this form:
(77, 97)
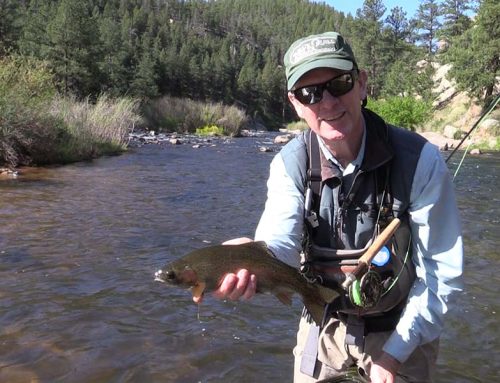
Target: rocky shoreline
(138, 139)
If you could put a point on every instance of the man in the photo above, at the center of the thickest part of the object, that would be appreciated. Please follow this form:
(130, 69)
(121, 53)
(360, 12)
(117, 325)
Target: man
(368, 172)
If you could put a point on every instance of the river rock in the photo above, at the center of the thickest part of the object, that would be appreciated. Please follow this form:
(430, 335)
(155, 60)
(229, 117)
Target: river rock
(175, 141)
(475, 152)
(451, 132)
(8, 173)
(489, 125)
(283, 139)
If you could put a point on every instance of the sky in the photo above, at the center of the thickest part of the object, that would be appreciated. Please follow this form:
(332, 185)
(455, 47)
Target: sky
(350, 6)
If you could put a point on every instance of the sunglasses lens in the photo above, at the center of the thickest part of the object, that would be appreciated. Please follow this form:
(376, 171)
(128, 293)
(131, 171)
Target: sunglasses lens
(340, 85)
(309, 94)
(337, 87)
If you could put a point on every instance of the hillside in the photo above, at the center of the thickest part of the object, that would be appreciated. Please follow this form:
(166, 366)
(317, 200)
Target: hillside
(455, 115)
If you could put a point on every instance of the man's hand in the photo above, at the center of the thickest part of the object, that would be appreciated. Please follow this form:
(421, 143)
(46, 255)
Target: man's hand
(241, 285)
(235, 286)
(384, 369)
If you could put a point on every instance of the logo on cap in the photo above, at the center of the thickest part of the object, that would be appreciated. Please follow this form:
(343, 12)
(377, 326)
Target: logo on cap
(312, 47)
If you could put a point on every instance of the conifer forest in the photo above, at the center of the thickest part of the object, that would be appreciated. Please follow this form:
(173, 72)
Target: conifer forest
(231, 51)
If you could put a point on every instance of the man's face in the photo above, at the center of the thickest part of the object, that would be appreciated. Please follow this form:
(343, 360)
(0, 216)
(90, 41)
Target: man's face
(333, 118)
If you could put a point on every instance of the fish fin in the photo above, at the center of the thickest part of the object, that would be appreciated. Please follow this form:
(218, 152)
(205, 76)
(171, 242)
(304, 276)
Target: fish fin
(327, 294)
(197, 290)
(316, 310)
(316, 303)
(284, 297)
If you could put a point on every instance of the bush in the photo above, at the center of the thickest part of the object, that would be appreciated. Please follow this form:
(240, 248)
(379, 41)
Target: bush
(38, 127)
(95, 129)
(27, 131)
(210, 130)
(186, 116)
(406, 112)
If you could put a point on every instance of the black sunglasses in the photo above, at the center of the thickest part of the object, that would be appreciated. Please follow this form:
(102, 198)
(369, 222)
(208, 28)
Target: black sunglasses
(337, 86)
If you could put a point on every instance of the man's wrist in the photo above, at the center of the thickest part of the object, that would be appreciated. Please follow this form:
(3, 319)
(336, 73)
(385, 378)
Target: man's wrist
(388, 362)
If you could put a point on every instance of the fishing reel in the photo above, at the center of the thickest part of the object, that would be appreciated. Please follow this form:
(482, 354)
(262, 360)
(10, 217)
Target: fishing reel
(366, 291)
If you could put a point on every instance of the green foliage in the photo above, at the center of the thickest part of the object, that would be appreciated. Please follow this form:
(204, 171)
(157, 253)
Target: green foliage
(26, 130)
(37, 127)
(210, 130)
(207, 51)
(474, 54)
(406, 112)
(428, 23)
(406, 78)
(456, 21)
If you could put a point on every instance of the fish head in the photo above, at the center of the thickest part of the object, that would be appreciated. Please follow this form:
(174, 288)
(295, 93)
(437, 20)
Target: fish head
(179, 275)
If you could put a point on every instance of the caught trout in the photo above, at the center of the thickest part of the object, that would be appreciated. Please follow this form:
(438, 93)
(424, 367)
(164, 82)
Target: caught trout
(203, 270)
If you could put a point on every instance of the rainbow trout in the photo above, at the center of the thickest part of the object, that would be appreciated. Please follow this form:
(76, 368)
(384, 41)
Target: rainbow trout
(203, 270)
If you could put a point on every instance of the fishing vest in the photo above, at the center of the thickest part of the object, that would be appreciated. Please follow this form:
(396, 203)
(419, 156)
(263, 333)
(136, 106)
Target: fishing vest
(345, 214)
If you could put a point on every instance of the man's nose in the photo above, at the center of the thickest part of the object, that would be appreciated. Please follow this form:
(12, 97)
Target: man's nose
(327, 97)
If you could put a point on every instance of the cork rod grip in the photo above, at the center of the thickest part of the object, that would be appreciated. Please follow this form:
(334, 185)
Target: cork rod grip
(366, 258)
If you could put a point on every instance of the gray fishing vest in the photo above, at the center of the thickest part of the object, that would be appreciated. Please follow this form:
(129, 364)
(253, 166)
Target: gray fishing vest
(351, 212)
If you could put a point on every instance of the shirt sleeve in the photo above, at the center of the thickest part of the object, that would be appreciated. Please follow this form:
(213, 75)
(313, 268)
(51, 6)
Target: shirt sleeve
(437, 255)
(282, 223)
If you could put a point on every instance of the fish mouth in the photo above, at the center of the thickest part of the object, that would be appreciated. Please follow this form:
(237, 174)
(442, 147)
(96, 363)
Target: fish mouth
(165, 276)
(159, 276)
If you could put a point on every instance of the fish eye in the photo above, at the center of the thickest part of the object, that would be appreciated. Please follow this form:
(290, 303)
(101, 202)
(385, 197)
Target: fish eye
(170, 274)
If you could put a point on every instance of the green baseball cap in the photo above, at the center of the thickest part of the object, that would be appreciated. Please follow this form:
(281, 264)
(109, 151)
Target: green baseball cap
(326, 50)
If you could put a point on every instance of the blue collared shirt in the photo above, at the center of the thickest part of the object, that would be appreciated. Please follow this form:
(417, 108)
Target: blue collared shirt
(436, 233)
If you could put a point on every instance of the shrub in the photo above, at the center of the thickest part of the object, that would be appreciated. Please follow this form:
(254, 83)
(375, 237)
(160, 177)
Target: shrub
(95, 129)
(38, 127)
(186, 116)
(27, 131)
(210, 130)
(406, 112)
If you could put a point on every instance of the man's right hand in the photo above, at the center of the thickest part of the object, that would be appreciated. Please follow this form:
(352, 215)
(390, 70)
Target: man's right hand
(238, 285)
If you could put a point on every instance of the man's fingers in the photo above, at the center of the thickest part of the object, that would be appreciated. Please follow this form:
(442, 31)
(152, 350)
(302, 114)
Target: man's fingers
(235, 286)
(251, 287)
(243, 276)
(227, 286)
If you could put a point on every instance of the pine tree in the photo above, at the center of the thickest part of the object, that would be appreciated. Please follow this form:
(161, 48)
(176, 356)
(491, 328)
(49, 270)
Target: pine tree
(72, 48)
(113, 69)
(144, 83)
(369, 47)
(474, 54)
(428, 23)
(9, 28)
(456, 21)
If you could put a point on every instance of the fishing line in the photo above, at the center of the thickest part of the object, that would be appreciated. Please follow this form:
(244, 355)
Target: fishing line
(488, 110)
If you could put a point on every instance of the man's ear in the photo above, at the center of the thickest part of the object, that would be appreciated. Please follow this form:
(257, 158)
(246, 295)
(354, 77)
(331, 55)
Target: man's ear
(363, 84)
(296, 104)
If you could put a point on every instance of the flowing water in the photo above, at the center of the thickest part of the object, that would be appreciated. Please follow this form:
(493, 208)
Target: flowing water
(79, 246)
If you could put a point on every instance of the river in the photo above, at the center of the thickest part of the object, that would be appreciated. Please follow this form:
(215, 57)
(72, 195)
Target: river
(79, 246)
